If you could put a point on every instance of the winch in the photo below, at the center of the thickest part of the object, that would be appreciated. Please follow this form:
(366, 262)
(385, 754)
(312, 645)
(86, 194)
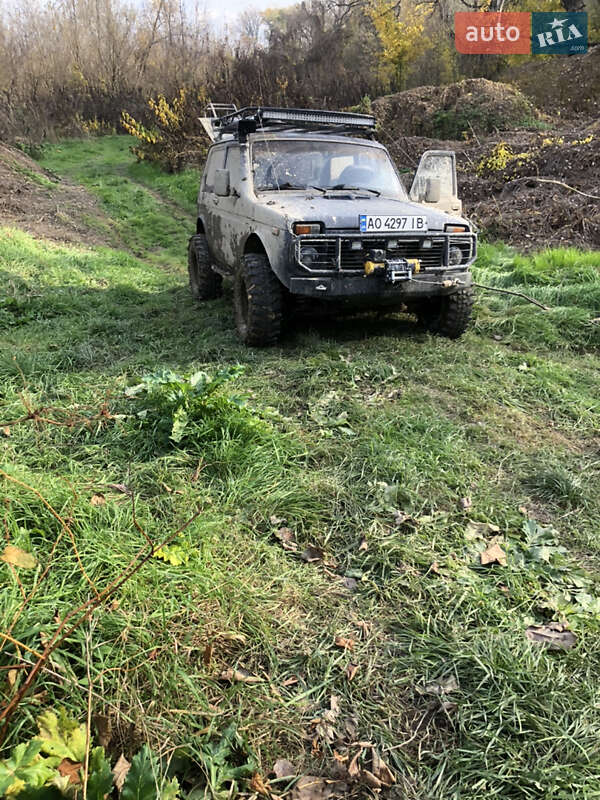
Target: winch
(393, 270)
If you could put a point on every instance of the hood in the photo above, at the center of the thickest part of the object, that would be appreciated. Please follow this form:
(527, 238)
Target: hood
(341, 209)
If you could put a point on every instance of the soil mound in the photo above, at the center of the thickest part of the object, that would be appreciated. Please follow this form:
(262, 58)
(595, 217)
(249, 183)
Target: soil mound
(473, 106)
(41, 204)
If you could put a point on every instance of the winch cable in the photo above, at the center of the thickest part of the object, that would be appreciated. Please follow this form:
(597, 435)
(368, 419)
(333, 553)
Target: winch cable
(448, 284)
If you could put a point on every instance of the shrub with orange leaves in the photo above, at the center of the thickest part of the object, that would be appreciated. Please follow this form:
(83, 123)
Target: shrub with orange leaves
(175, 137)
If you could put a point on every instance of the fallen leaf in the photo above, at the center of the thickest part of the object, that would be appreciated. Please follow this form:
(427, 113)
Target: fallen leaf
(351, 584)
(207, 655)
(435, 568)
(324, 725)
(370, 779)
(6, 431)
(291, 681)
(258, 785)
(381, 770)
(554, 636)
(70, 769)
(103, 727)
(364, 627)
(118, 487)
(350, 725)
(17, 557)
(466, 503)
(494, 555)
(12, 677)
(98, 500)
(353, 768)
(283, 768)
(400, 517)
(448, 707)
(287, 537)
(364, 545)
(480, 530)
(310, 787)
(346, 644)
(351, 671)
(239, 675)
(120, 771)
(438, 688)
(312, 554)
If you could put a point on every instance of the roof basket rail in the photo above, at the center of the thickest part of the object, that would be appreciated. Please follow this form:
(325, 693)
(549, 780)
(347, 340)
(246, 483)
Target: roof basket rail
(215, 110)
(238, 123)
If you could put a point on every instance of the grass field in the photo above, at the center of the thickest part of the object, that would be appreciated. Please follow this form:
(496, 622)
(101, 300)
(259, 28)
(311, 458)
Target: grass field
(377, 445)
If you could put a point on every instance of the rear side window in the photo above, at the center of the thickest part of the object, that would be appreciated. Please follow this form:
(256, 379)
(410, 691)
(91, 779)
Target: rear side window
(216, 160)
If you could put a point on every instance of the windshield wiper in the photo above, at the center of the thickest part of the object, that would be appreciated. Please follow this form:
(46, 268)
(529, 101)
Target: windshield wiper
(356, 188)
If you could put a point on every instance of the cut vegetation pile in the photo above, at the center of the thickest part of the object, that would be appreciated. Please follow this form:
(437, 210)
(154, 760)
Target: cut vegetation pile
(472, 106)
(528, 188)
(391, 528)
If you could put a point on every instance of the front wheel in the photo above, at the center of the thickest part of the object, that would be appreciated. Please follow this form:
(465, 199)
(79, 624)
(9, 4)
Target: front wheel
(448, 315)
(258, 301)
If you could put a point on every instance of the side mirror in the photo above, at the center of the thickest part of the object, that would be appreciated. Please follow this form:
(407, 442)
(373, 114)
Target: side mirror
(433, 190)
(222, 182)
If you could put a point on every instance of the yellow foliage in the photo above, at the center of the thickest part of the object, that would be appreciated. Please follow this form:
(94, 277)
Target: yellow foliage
(499, 159)
(401, 32)
(174, 137)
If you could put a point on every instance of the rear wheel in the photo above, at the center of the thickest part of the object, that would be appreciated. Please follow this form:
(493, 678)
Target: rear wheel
(258, 301)
(205, 283)
(448, 315)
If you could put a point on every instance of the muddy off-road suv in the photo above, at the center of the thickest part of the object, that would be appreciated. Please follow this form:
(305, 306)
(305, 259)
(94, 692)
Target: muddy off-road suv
(296, 203)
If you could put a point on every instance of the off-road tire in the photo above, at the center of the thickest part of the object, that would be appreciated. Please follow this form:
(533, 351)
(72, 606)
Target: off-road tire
(205, 283)
(258, 301)
(448, 315)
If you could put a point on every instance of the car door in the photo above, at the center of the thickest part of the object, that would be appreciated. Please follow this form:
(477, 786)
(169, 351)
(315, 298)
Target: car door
(228, 209)
(209, 200)
(435, 182)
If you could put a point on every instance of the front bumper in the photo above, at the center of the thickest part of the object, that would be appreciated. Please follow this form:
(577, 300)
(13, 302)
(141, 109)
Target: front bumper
(374, 289)
(336, 267)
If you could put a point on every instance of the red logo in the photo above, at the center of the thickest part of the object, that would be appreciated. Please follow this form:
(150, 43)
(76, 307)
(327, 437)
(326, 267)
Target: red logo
(492, 31)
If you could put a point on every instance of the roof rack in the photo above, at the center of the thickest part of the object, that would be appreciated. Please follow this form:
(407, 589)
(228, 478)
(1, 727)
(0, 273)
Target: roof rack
(238, 123)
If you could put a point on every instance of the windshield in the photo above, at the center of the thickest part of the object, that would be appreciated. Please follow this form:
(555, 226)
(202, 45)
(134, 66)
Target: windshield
(280, 164)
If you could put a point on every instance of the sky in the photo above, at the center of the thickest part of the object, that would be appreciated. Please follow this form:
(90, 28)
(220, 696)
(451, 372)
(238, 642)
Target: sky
(227, 10)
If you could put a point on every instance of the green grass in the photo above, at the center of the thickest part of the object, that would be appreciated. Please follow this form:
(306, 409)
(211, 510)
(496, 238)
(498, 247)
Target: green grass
(509, 417)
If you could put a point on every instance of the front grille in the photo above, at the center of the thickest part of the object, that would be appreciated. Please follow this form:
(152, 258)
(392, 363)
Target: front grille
(430, 257)
(343, 253)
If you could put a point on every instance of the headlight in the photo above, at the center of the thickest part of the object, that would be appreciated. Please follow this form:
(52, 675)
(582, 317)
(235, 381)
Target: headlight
(455, 256)
(309, 256)
(306, 228)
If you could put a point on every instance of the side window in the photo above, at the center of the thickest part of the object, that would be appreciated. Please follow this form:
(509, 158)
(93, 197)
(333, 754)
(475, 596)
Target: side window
(232, 163)
(216, 160)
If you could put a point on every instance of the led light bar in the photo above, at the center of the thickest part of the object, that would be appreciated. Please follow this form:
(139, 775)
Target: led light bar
(293, 117)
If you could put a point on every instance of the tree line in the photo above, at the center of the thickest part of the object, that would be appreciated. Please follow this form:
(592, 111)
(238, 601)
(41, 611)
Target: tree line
(73, 65)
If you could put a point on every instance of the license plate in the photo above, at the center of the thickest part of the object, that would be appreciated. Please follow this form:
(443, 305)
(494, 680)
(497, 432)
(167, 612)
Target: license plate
(380, 223)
